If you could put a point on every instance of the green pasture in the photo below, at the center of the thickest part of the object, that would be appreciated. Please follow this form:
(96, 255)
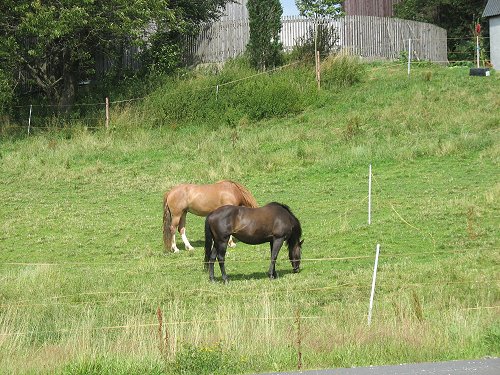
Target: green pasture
(84, 277)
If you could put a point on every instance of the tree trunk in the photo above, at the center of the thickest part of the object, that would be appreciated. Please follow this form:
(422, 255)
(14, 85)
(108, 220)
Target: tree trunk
(66, 95)
(66, 92)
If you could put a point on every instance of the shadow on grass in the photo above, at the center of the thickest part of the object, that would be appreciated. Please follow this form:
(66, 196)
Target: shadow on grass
(248, 276)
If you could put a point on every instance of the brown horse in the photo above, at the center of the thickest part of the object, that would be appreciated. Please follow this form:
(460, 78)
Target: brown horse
(199, 200)
(274, 223)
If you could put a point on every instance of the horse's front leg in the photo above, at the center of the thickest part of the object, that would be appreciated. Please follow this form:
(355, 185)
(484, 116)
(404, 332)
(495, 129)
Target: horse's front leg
(275, 248)
(182, 231)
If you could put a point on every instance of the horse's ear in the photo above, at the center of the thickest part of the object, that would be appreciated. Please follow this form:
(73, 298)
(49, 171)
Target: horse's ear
(301, 242)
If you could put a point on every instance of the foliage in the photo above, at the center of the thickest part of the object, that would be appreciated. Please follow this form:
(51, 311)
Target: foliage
(341, 71)
(55, 45)
(264, 46)
(6, 94)
(458, 17)
(319, 8)
(208, 360)
(325, 41)
(235, 94)
(105, 365)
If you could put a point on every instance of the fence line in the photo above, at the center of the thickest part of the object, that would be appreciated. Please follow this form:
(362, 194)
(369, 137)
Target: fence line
(367, 36)
(214, 87)
(198, 321)
(255, 260)
(212, 293)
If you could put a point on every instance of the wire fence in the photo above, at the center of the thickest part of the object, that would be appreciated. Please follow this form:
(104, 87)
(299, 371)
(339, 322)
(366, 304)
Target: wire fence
(58, 300)
(256, 260)
(95, 116)
(197, 322)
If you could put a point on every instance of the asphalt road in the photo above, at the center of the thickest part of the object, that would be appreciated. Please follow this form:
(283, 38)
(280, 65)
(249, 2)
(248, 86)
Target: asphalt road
(472, 367)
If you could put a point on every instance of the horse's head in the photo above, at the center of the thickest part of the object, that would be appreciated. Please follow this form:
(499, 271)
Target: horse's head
(294, 254)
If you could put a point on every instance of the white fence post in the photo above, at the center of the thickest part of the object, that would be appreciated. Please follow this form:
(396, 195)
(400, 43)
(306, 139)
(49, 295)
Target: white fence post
(409, 56)
(370, 195)
(373, 285)
(107, 113)
(477, 50)
(29, 119)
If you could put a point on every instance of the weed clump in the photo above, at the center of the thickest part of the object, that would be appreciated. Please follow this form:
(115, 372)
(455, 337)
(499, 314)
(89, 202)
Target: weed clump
(341, 70)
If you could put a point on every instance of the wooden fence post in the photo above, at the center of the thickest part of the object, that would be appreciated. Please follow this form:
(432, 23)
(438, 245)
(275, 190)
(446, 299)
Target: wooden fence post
(160, 330)
(299, 340)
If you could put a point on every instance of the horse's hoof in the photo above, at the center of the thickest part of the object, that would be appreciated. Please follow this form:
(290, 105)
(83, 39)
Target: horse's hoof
(175, 251)
(189, 248)
(226, 281)
(232, 245)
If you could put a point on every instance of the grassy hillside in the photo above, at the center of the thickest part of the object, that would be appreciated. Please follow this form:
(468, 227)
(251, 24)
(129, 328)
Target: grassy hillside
(82, 267)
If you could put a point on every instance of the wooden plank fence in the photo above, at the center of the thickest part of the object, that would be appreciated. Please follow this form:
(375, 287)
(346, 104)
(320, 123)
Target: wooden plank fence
(370, 37)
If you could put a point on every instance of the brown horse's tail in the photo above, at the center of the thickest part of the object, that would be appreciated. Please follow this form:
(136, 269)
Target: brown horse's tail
(167, 222)
(247, 198)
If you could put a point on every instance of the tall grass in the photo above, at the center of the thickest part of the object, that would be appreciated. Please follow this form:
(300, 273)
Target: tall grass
(83, 273)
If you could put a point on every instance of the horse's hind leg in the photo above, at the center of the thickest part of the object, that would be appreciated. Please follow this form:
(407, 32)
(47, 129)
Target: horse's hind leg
(182, 231)
(218, 252)
(173, 227)
(221, 256)
(211, 261)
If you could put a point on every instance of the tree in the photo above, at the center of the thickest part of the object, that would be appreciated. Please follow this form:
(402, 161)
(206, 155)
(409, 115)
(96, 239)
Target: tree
(264, 46)
(319, 8)
(54, 43)
(458, 17)
(323, 36)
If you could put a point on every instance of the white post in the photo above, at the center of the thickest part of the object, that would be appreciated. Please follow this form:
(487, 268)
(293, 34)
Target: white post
(370, 195)
(217, 93)
(409, 56)
(477, 50)
(373, 285)
(29, 119)
(107, 113)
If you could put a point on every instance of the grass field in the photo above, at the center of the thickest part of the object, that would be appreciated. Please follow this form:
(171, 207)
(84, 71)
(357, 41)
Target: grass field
(83, 274)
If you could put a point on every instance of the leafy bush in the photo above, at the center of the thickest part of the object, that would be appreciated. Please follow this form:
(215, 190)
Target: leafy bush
(326, 43)
(6, 93)
(235, 93)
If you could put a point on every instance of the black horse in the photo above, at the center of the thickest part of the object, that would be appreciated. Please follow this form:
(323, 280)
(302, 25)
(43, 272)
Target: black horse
(273, 223)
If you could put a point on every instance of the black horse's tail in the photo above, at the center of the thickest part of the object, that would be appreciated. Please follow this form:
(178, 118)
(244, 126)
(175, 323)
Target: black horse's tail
(209, 239)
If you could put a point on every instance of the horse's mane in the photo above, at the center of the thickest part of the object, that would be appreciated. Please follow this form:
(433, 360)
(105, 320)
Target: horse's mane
(296, 230)
(247, 197)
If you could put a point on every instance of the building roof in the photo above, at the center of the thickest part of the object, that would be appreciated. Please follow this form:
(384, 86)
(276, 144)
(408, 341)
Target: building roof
(492, 8)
